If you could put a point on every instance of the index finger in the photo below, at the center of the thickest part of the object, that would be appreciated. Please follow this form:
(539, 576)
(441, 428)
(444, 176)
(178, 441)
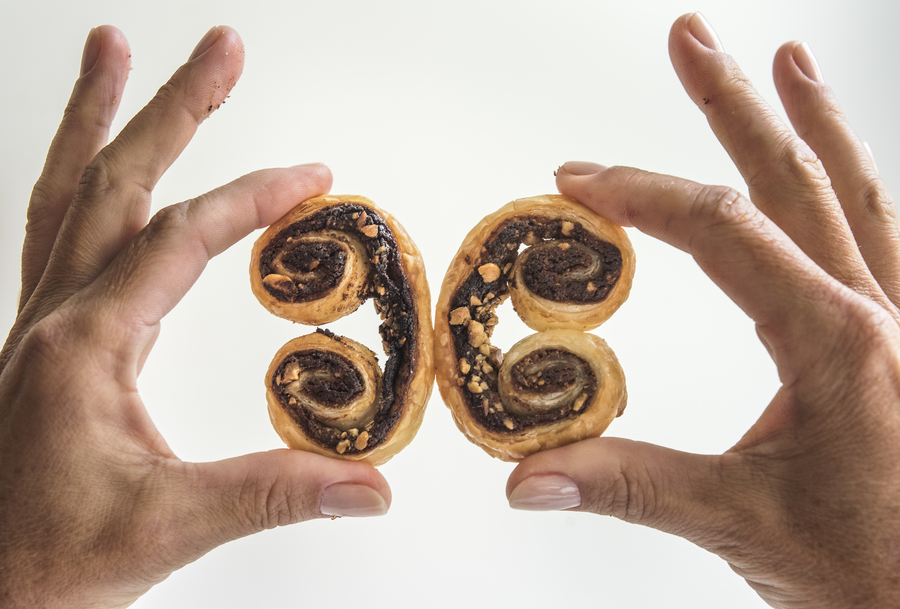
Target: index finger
(750, 258)
(164, 260)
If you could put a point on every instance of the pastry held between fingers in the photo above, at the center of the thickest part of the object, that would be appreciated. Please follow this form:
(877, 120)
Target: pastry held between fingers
(322, 261)
(560, 385)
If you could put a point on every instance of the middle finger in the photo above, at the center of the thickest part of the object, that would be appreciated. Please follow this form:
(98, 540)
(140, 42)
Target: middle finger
(786, 180)
(113, 199)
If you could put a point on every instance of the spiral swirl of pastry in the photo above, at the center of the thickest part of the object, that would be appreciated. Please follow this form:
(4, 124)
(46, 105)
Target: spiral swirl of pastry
(555, 387)
(326, 393)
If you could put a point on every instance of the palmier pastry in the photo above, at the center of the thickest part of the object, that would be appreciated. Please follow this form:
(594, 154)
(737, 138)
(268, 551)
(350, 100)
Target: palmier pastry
(326, 393)
(555, 387)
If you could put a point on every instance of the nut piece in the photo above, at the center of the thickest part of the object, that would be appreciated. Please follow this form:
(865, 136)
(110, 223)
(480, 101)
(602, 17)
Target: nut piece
(362, 441)
(489, 272)
(567, 228)
(460, 316)
(370, 231)
(477, 335)
(464, 365)
(280, 283)
(342, 446)
(579, 402)
(474, 387)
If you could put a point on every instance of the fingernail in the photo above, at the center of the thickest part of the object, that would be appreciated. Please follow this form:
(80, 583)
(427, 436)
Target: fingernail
(700, 29)
(211, 37)
(807, 63)
(352, 500)
(545, 493)
(91, 51)
(581, 168)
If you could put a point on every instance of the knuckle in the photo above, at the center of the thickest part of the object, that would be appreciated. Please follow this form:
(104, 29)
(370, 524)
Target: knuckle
(800, 165)
(166, 95)
(169, 218)
(877, 202)
(629, 496)
(97, 178)
(268, 504)
(45, 340)
(717, 205)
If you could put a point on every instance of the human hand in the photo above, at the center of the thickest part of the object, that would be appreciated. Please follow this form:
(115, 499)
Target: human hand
(805, 505)
(94, 506)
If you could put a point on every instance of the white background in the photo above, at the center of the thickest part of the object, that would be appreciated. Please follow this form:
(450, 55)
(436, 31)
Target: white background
(441, 112)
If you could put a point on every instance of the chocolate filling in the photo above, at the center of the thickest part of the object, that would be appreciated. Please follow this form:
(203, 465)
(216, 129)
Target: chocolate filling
(344, 382)
(545, 372)
(541, 276)
(321, 262)
(571, 273)
(392, 295)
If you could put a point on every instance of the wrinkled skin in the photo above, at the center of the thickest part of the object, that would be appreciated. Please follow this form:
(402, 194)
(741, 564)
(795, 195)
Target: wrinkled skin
(94, 506)
(806, 507)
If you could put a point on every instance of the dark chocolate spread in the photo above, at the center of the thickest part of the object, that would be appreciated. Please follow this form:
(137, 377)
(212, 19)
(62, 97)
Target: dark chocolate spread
(392, 294)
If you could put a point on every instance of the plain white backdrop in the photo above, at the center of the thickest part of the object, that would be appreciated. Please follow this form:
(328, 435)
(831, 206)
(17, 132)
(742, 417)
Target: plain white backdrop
(441, 112)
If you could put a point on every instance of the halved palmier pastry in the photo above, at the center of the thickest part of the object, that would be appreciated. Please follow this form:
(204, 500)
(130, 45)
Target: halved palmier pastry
(566, 270)
(326, 393)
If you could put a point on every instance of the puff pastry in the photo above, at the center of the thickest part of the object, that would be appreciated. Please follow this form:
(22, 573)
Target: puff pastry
(326, 393)
(555, 387)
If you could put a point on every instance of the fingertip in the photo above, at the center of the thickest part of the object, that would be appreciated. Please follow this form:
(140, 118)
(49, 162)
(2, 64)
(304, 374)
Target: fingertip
(320, 173)
(105, 44)
(353, 500)
(545, 492)
(226, 35)
(579, 168)
(702, 31)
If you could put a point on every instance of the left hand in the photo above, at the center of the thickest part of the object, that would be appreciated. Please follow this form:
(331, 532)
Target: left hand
(94, 506)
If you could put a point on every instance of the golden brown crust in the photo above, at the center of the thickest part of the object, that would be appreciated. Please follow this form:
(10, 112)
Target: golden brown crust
(480, 277)
(394, 276)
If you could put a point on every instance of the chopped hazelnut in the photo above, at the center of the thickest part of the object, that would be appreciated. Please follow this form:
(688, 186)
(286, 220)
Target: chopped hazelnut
(477, 336)
(564, 246)
(474, 387)
(370, 231)
(475, 301)
(291, 372)
(280, 283)
(362, 441)
(509, 424)
(464, 365)
(460, 316)
(591, 287)
(567, 228)
(489, 272)
(579, 403)
(342, 446)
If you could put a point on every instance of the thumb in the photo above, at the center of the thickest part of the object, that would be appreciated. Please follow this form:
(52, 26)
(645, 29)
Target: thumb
(236, 497)
(675, 492)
